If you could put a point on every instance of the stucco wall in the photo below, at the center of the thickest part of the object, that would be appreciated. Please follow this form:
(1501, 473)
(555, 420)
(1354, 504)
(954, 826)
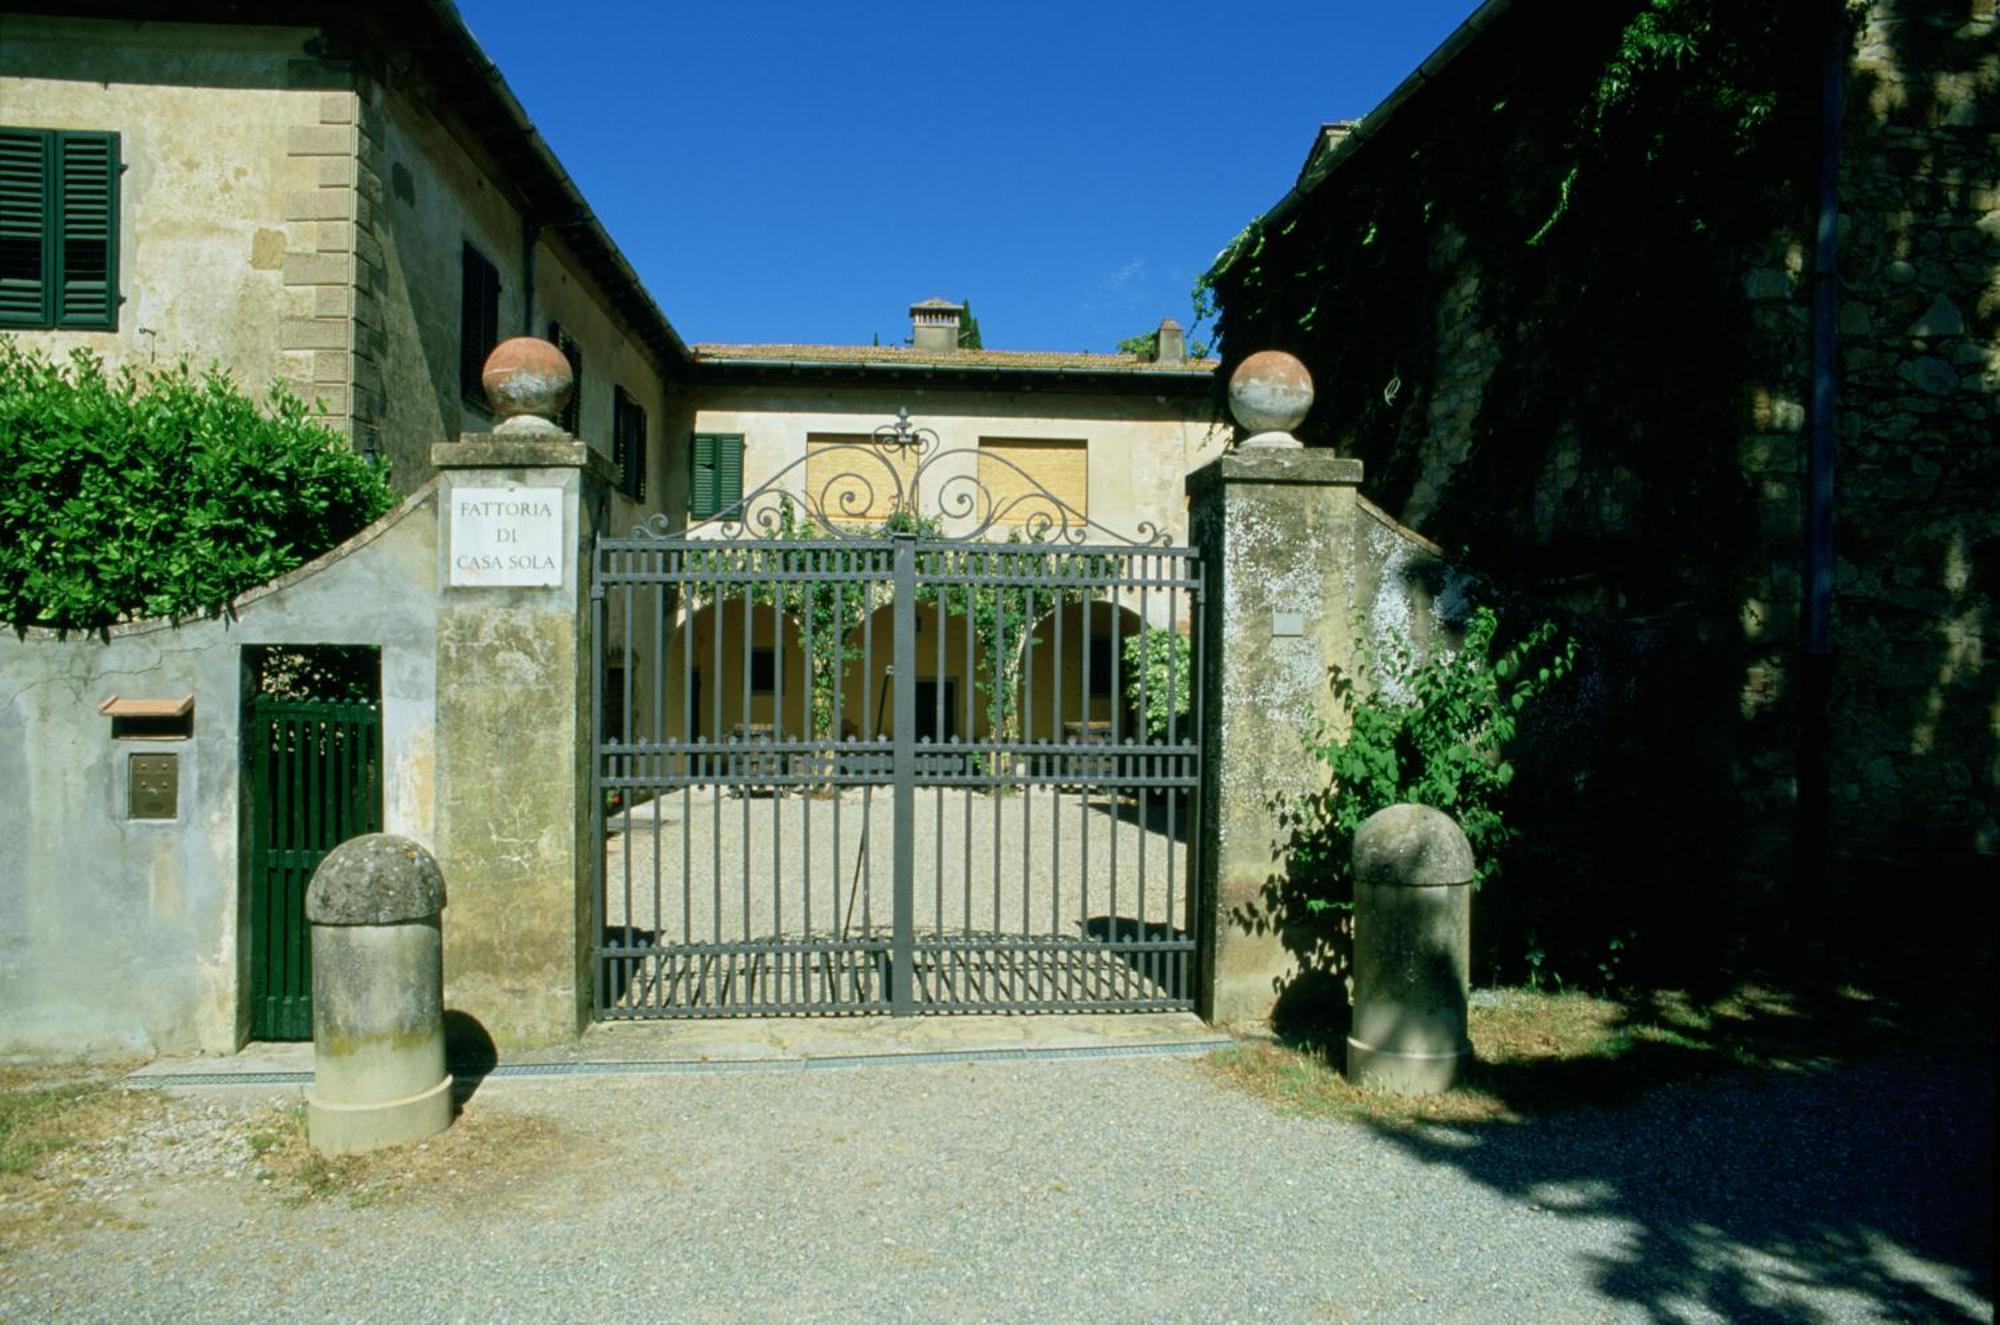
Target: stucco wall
(205, 117)
(1140, 448)
(297, 216)
(122, 937)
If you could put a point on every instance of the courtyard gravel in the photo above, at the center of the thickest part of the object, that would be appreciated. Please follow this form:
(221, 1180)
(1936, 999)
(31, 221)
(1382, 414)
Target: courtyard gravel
(1072, 1189)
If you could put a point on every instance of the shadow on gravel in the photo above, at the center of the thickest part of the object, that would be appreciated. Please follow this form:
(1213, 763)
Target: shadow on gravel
(469, 1053)
(1863, 1188)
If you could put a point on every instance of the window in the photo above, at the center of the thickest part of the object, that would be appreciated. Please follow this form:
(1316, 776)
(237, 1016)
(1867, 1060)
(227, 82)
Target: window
(763, 671)
(58, 229)
(571, 419)
(628, 445)
(850, 477)
(1017, 471)
(715, 480)
(478, 322)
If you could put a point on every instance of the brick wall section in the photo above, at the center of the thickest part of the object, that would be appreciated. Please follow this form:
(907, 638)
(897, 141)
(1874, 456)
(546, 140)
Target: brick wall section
(330, 337)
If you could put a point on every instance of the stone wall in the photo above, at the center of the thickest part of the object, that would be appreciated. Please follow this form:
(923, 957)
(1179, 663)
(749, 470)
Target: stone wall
(1627, 447)
(1916, 704)
(208, 123)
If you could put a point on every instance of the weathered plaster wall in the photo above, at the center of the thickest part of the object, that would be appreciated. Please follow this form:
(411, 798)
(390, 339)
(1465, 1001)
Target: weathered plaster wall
(294, 214)
(122, 937)
(514, 810)
(432, 193)
(1297, 565)
(208, 120)
(1141, 448)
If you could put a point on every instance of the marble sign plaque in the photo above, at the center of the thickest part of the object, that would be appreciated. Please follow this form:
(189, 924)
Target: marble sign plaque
(506, 537)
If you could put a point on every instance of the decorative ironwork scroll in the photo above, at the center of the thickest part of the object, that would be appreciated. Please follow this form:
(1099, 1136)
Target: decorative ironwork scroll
(893, 464)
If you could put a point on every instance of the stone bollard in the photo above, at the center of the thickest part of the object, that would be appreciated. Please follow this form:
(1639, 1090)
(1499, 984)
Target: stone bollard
(1412, 951)
(378, 997)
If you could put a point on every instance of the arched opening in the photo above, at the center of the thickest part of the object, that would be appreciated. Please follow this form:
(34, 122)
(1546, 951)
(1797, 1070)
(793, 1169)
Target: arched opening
(731, 671)
(1076, 683)
(950, 694)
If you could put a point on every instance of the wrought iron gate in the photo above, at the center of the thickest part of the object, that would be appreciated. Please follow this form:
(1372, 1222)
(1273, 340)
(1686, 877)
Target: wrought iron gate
(851, 758)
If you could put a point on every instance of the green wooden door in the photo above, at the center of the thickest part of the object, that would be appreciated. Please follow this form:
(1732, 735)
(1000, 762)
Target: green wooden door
(312, 779)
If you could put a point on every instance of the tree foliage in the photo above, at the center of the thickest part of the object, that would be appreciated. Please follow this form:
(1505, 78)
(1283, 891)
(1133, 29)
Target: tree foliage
(968, 329)
(159, 494)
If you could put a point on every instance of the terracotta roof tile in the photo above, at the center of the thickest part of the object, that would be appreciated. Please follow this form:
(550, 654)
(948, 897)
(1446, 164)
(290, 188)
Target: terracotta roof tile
(964, 359)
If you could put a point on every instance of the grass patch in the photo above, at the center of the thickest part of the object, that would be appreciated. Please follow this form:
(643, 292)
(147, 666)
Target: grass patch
(484, 1158)
(47, 1109)
(43, 1112)
(1538, 1053)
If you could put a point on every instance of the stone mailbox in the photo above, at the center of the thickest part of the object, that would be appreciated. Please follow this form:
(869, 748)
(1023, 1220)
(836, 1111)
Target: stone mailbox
(1412, 951)
(378, 997)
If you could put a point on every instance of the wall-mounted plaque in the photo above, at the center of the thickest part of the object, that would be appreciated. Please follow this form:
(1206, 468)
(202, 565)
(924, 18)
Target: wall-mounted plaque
(153, 787)
(506, 536)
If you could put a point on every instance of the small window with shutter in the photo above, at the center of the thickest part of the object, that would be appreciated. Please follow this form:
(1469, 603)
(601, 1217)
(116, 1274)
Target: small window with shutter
(572, 413)
(715, 484)
(478, 322)
(628, 444)
(58, 229)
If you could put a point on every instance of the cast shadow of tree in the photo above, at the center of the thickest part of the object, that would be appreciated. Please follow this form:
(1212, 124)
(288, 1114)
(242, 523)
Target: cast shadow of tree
(1770, 1195)
(1307, 905)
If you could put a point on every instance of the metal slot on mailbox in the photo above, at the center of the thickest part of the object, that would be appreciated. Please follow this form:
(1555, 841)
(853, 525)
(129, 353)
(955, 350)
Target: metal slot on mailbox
(153, 787)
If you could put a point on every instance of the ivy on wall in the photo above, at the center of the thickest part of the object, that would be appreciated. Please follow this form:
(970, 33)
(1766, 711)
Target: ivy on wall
(1523, 301)
(1579, 194)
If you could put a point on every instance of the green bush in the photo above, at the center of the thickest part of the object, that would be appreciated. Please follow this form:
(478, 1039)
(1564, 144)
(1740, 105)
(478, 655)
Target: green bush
(1164, 659)
(159, 494)
(1433, 732)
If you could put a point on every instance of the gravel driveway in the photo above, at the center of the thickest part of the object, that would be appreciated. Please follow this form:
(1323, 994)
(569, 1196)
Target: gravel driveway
(1082, 1189)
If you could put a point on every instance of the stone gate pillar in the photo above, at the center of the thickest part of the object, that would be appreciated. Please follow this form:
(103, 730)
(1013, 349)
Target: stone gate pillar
(518, 510)
(1276, 527)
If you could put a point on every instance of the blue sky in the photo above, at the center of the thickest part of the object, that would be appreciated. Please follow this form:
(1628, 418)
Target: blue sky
(804, 172)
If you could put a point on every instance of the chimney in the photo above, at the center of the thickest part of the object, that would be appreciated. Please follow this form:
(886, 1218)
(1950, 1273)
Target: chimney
(934, 324)
(1172, 344)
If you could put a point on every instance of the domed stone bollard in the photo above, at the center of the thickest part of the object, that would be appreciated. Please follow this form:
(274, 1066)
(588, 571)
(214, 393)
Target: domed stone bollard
(1412, 951)
(378, 997)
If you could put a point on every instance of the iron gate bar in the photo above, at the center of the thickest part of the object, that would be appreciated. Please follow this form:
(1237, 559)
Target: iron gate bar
(770, 584)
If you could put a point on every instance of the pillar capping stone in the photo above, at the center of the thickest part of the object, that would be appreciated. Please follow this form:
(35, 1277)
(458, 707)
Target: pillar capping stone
(1412, 846)
(1310, 467)
(375, 879)
(486, 450)
(1270, 393)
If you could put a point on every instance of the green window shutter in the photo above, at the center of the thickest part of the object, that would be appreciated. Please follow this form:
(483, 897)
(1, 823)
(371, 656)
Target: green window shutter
(621, 441)
(628, 443)
(701, 477)
(637, 451)
(87, 250)
(728, 472)
(478, 320)
(26, 292)
(572, 414)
